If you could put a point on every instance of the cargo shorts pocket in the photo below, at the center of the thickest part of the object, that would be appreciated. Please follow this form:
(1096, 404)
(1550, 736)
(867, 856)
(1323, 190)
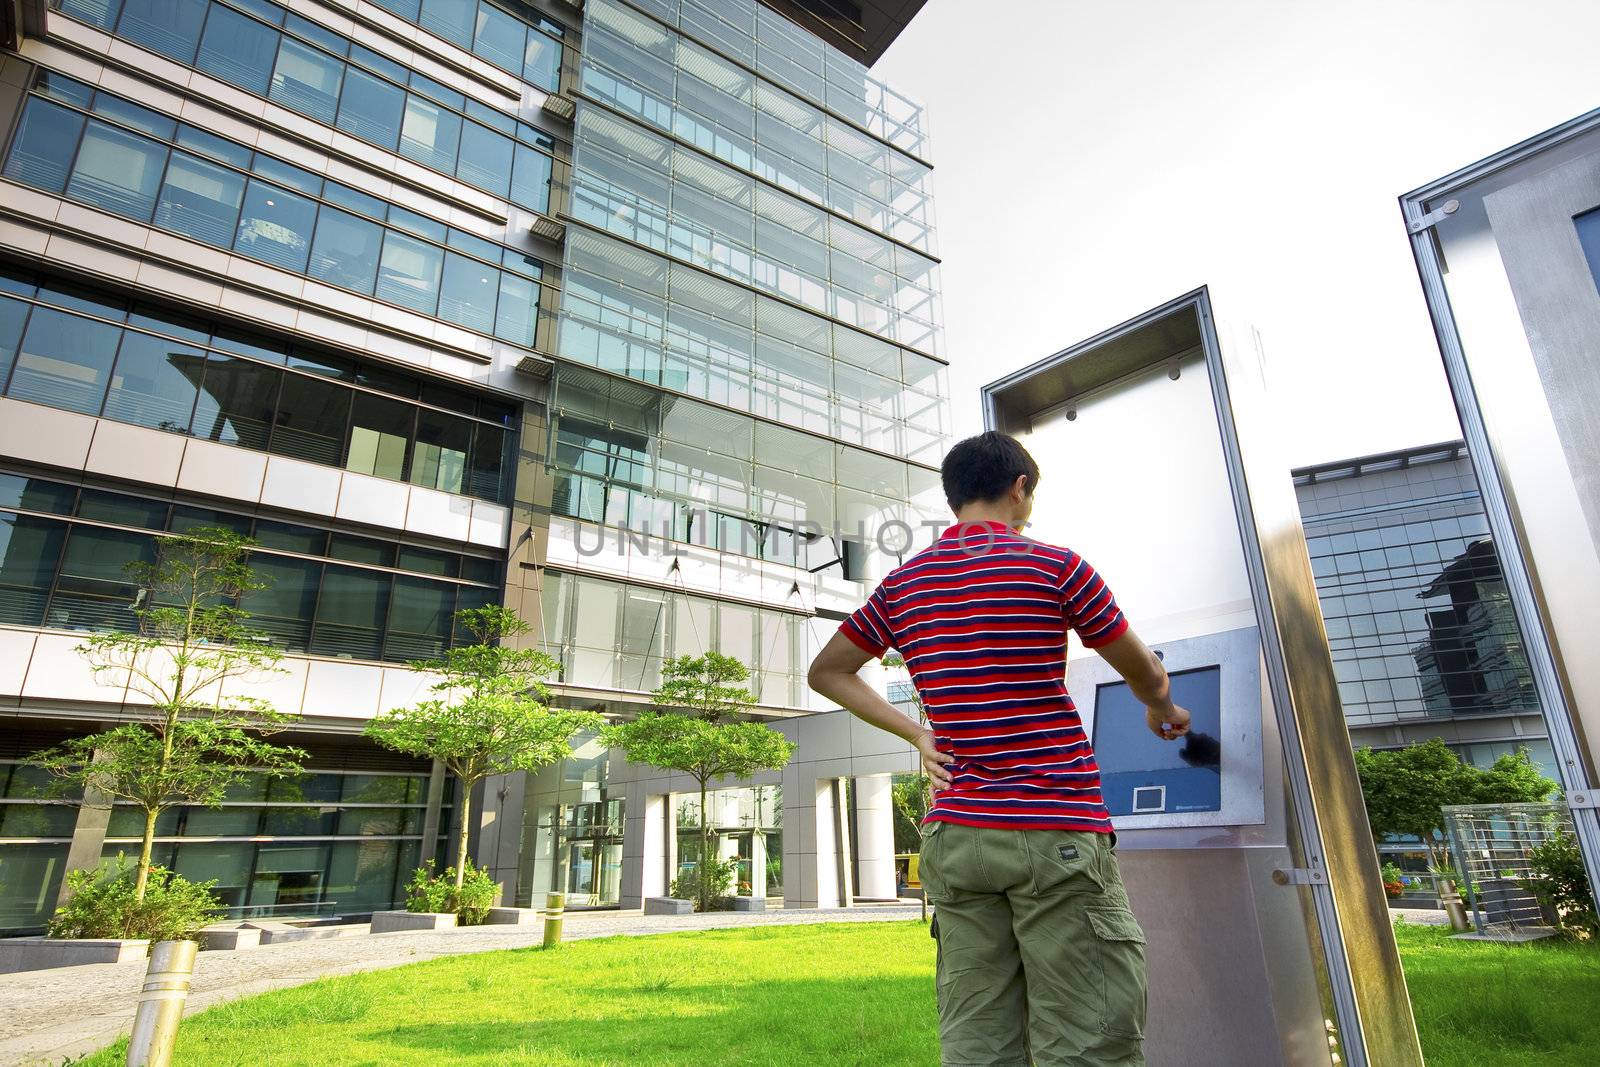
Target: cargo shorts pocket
(928, 864)
(1119, 943)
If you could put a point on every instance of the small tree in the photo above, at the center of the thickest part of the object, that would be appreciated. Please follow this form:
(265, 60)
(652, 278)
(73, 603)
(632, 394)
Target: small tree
(1405, 789)
(709, 686)
(199, 736)
(490, 714)
(700, 743)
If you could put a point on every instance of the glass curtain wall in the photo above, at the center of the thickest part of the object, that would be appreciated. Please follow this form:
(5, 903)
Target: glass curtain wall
(327, 842)
(120, 157)
(612, 635)
(626, 312)
(263, 49)
(1417, 613)
(89, 351)
(513, 37)
(738, 818)
(813, 122)
(572, 832)
(35, 832)
(698, 473)
(64, 553)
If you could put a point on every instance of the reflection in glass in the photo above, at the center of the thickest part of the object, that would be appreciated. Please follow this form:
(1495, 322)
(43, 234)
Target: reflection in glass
(64, 361)
(379, 436)
(237, 399)
(29, 551)
(276, 226)
(155, 382)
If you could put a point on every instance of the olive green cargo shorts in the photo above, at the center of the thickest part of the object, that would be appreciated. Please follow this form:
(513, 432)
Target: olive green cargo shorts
(1040, 960)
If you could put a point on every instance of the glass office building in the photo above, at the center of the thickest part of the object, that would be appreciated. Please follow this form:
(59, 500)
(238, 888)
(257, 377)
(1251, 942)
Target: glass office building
(750, 370)
(427, 296)
(1418, 617)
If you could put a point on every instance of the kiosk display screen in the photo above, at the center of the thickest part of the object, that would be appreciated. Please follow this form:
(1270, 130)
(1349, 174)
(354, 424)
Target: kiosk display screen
(1140, 774)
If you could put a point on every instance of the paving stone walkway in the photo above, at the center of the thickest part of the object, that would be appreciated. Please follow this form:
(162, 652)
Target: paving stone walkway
(50, 1016)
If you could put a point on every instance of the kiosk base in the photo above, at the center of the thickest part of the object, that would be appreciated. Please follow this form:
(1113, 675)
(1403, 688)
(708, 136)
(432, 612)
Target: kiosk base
(1232, 981)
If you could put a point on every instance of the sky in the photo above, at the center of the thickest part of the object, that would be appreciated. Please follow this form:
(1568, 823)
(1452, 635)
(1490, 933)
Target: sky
(1094, 158)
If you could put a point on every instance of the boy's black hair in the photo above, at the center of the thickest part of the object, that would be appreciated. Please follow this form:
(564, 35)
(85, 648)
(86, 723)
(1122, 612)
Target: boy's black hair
(984, 467)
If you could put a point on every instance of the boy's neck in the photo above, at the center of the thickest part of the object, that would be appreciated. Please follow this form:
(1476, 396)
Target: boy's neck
(987, 511)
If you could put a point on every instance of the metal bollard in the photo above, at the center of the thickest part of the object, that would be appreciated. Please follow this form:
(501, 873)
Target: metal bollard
(166, 987)
(554, 905)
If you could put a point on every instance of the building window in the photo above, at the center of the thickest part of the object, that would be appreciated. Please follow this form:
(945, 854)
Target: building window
(121, 171)
(264, 50)
(166, 372)
(380, 601)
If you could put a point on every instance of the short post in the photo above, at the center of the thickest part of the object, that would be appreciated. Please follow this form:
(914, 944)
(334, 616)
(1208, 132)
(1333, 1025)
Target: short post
(1450, 897)
(166, 987)
(554, 905)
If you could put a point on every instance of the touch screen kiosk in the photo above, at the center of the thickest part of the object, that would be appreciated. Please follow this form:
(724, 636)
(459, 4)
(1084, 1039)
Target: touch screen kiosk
(1211, 778)
(1244, 847)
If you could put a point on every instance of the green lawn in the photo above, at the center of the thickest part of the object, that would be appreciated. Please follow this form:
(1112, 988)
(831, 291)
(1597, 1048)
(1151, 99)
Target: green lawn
(858, 993)
(1486, 1005)
(840, 994)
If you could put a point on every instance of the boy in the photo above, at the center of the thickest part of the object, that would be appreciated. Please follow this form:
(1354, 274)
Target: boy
(1040, 960)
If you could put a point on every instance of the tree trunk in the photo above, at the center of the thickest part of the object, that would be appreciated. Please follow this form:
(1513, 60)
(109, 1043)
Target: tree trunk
(461, 839)
(927, 806)
(705, 851)
(146, 847)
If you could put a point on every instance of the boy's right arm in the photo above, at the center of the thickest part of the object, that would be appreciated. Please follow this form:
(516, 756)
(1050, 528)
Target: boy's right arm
(835, 673)
(1147, 678)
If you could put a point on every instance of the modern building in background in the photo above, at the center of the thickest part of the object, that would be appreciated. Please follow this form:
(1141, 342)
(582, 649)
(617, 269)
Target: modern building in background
(1424, 641)
(429, 297)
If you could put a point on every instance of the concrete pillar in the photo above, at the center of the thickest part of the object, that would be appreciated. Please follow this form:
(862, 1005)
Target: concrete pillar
(669, 833)
(88, 836)
(874, 809)
(842, 850)
(644, 847)
(497, 828)
(758, 863)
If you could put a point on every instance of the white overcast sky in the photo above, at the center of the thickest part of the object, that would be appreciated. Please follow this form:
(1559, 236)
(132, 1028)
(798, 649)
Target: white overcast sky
(1094, 158)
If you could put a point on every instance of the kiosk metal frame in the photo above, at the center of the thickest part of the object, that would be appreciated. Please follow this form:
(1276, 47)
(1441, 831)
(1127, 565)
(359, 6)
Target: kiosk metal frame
(1335, 861)
(1523, 498)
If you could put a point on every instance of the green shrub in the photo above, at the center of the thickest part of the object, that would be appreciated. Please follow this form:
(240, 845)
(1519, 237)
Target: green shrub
(1560, 884)
(429, 892)
(719, 875)
(101, 904)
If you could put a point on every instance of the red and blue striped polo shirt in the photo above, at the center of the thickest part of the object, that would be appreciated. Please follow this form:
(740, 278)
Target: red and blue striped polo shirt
(981, 619)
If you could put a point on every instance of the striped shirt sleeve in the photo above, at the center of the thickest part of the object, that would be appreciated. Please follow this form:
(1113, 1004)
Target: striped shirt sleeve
(1087, 602)
(868, 625)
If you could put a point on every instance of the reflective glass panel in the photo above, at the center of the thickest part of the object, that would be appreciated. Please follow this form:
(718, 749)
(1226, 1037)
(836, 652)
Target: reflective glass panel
(200, 199)
(64, 361)
(155, 382)
(118, 171)
(276, 226)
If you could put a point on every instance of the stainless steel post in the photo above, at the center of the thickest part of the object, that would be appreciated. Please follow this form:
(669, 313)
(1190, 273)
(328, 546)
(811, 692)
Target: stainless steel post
(554, 907)
(166, 988)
